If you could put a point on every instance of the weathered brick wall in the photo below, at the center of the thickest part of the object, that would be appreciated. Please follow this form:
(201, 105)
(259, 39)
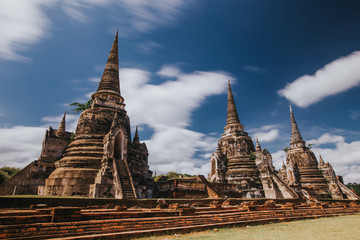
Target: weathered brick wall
(26, 182)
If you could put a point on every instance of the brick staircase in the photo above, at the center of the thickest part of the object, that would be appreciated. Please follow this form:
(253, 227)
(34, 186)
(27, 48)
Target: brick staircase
(125, 180)
(67, 223)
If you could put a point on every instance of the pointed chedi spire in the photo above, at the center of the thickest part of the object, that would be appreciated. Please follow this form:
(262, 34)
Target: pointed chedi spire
(258, 147)
(110, 79)
(232, 119)
(61, 129)
(136, 137)
(296, 139)
(108, 92)
(232, 115)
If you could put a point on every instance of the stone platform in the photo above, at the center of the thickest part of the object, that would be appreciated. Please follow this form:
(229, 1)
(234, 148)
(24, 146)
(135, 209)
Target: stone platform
(98, 222)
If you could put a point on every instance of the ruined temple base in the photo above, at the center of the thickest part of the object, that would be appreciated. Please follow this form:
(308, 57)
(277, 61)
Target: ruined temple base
(129, 219)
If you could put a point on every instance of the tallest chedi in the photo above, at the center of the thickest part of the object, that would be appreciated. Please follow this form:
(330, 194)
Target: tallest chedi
(102, 160)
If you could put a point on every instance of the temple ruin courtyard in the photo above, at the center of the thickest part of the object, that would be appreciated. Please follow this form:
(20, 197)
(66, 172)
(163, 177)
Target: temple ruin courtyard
(96, 183)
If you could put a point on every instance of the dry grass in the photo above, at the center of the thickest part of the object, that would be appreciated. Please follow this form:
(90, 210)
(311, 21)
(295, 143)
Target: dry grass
(331, 228)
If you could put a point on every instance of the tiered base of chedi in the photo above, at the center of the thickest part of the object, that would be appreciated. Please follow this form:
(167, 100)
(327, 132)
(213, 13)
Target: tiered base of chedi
(100, 160)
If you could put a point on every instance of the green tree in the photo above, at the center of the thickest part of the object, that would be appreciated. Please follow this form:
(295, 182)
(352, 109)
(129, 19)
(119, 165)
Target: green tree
(354, 186)
(252, 156)
(80, 107)
(3, 176)
(8, 172)
(173, 175)
(286, 149)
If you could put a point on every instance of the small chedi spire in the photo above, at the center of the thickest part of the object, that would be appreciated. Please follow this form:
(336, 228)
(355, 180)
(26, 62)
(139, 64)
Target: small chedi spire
(296, 138)
(61, 129)
(109, 82)
(258, 147)
(321, 160)
(232, 120)
(136, 136)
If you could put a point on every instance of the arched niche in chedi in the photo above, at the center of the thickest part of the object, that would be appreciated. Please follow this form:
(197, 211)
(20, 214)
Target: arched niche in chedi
(119, 146)
(213, 166)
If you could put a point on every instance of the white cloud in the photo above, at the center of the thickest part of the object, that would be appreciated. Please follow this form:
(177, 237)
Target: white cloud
(20, 145)
(168, 71)
(327, 138)
(354, 114)
(174, 149)
(75, 8)
(25, 22)
(278, 158)
(172, 102)
(167, 109)
(22, 23)
(267, 133)
(345, 157)
(254, 69)
(335, 77)
(147, 47)
(135, 15)
(145, 15)
(94, 80)
(54, 121)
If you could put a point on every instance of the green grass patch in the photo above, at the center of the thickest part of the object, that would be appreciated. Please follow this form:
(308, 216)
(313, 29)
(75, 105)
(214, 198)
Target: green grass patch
(334, 228)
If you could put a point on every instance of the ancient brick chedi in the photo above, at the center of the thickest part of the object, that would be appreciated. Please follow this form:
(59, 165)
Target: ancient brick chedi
(305, 175)
(236, 162)
(250, 171)
(233, 160)
(32, 176)
(101, 160)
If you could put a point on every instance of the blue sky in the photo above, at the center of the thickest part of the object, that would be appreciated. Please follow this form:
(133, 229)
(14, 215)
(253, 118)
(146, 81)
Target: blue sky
(175, 60)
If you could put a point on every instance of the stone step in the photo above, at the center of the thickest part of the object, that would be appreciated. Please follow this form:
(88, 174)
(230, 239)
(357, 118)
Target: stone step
(78, 141)
(84, 149)
(83, 154)
(7, 213)
(25, 219)
(99, 144)
(77, 161)
(125, 180)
